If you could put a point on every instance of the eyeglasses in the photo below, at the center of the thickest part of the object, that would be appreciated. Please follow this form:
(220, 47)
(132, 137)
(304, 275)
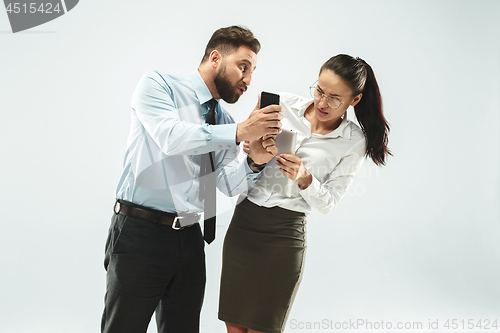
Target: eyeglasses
(317, 94)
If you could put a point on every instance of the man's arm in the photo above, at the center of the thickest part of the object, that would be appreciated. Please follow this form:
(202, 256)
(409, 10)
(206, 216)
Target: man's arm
(159, 115)
(153, 103)
(235, 177)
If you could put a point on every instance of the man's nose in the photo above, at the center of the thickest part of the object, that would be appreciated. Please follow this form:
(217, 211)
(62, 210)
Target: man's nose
(247, 79)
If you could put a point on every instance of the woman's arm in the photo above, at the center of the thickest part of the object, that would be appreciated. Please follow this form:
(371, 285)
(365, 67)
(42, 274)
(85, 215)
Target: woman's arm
(323, 196)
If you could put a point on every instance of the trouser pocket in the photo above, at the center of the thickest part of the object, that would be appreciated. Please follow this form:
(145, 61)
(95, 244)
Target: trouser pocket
(117, 222)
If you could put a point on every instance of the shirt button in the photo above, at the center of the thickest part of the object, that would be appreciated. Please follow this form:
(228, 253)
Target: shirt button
(228, 146)
(195, 152)
(220, 146)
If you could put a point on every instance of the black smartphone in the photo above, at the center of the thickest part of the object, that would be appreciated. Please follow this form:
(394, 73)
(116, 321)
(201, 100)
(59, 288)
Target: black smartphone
(267, 98)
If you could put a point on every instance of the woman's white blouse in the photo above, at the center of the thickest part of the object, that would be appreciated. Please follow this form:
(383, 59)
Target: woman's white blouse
(333, 160)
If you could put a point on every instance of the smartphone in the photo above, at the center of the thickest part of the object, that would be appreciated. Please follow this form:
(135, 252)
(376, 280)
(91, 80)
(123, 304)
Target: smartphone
(267, 98)
(273, 177)
(286, 141)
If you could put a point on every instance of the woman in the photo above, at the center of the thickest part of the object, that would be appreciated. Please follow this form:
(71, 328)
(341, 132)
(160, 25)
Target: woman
(264, 248)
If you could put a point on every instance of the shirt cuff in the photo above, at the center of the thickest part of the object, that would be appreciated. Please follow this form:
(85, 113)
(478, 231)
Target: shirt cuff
(247, 176)
(312, 190)
(223, 136)
(250, 171)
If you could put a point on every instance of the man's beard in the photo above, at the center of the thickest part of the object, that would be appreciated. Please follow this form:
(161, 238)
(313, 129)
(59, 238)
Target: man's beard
(227, 91)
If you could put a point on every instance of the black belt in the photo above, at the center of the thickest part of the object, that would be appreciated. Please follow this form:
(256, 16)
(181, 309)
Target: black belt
(156, 216)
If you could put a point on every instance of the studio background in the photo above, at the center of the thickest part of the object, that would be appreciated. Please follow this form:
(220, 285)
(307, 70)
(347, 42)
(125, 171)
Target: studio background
(415, 241)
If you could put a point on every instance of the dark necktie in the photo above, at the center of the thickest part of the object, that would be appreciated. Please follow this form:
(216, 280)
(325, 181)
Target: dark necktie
(208, 183)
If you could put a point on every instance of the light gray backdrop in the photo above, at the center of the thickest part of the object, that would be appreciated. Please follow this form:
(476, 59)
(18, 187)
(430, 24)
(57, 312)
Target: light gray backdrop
(415, 241)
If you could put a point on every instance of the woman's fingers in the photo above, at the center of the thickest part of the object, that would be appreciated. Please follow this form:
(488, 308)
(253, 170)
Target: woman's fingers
(287, 160)
(287, 167)
(291, 158)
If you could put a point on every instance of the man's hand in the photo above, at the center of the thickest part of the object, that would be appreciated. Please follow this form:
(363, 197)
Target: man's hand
(260, 123)
(262, 150)
(292, 167)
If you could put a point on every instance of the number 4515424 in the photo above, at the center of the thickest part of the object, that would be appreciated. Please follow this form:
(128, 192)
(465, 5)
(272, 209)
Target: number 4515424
(484, 324)
(32, 8)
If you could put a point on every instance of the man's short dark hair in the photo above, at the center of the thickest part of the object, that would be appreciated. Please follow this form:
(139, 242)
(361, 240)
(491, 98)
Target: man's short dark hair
(228, 40)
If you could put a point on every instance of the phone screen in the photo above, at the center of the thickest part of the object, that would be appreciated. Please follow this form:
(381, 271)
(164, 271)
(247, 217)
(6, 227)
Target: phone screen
(267, 99)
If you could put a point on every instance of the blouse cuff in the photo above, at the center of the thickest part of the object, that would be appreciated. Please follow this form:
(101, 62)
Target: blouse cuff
(312, 190)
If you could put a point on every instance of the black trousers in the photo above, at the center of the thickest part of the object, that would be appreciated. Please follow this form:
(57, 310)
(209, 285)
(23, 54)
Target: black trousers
(153, 267)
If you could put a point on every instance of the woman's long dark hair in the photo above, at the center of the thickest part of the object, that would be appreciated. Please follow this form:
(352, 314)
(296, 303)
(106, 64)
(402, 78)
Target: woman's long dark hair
(369, 112)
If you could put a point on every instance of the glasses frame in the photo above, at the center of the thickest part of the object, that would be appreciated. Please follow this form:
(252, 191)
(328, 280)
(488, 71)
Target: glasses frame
(315, 87)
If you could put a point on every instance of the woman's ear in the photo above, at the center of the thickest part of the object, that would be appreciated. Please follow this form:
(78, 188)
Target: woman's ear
(356, 100)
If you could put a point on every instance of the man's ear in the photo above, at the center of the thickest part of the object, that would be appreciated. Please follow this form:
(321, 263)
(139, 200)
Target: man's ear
(215, 58)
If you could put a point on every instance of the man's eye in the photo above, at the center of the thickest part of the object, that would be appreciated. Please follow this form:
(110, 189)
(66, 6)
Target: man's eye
(243, 68)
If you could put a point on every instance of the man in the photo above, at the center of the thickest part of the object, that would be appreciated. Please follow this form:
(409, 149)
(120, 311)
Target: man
(155, 256)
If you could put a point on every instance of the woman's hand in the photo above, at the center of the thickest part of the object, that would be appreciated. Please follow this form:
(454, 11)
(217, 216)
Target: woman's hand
(292, 167)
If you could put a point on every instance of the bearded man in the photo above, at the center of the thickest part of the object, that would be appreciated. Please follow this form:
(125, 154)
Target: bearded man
(181, 145)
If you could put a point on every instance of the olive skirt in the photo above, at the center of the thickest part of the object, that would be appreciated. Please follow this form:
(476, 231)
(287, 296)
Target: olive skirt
(262, 263)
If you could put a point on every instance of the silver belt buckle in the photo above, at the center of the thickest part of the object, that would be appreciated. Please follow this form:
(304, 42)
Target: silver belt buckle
(174, 223)
(177, 225)
(117, 207)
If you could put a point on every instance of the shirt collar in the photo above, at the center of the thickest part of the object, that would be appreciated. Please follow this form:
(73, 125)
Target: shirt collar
(200, 88)
(302, 106)
(343, 130)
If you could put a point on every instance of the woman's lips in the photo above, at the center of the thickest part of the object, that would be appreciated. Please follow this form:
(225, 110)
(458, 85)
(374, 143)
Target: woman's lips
(321, 113)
